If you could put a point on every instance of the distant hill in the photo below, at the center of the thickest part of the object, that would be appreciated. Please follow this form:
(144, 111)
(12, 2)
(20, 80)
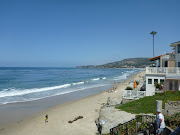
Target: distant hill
(126, 63)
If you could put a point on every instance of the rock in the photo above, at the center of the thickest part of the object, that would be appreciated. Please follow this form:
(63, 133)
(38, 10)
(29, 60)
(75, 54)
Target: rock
(110, 117)
(114, 101)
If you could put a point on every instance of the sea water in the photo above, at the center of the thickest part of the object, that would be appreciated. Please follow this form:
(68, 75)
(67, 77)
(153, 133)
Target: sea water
(20, 84)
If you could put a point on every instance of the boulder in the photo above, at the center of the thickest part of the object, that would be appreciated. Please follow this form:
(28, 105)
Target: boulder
(114, 101)
(110, 117)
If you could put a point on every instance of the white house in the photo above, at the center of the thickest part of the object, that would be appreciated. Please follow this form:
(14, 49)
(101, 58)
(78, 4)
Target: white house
(176, 47)
(166, 72)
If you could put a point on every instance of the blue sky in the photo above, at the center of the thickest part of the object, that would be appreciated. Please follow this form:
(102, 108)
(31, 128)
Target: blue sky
(66, 33)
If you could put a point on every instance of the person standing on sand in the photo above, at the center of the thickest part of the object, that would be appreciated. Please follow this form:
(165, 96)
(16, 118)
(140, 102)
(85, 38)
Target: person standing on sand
(160, 123)
(46, 118)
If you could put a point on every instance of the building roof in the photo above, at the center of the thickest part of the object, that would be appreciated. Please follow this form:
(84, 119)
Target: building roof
(155, 58)
(175, 44)
(175, 77)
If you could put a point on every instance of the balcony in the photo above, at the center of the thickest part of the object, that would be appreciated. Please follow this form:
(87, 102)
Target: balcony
(169, 56)
(163, 70)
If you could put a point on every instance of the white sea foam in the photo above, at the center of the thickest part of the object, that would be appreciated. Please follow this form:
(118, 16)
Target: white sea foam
(122, 77)
(77, 83)
(96, 79)
(18, 92)
(60, 93)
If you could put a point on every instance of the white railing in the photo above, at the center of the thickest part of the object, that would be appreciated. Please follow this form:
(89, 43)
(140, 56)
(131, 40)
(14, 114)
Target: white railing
(162, 70)
(133, 94)
(168, 56)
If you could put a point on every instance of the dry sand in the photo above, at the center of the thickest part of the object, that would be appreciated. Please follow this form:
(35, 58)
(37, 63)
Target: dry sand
(60, 115)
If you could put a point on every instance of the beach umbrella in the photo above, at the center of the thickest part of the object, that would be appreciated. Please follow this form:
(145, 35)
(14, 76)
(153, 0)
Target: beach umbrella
(135, 84)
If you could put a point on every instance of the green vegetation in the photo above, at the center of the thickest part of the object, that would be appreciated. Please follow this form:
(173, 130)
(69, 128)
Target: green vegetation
(129, 88)
(137, 82)
(157, 85)
(173, 121)
(126, 63)
(148, 104)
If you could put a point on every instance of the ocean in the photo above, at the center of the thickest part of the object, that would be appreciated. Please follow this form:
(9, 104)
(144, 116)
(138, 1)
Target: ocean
(22, 84)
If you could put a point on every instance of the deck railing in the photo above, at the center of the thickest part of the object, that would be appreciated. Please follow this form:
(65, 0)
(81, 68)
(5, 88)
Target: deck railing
(169, 56)
(162, 70)
(136, 125)
(133, 94)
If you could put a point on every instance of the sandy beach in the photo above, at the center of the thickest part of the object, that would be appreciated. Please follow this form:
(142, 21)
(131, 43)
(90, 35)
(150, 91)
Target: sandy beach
(60, 115)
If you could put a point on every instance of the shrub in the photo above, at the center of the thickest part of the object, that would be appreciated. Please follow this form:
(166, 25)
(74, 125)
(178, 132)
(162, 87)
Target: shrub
(137, 82)
(173, 121)
(129, 88)
(157, 85)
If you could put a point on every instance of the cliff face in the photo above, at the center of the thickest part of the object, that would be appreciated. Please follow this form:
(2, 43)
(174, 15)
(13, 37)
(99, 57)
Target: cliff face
(126, 63)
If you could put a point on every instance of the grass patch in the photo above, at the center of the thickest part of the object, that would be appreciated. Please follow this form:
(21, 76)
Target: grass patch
(129, 88)
(148, 104)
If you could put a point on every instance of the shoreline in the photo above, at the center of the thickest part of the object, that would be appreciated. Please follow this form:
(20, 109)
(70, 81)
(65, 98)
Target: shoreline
(60, 114)
(10, 112)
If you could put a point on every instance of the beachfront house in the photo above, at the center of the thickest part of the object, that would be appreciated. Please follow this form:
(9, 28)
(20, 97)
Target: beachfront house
(166, 74)
(176, 48)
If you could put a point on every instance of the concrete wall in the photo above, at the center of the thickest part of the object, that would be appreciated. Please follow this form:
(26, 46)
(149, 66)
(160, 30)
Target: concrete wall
(172, 107)
(171, 63)
(150, 88)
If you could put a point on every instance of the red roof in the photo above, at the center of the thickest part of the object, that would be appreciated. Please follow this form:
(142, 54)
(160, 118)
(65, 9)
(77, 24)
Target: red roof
(155, 58)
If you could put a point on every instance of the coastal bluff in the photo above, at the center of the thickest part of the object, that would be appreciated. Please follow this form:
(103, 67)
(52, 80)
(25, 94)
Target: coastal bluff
(125, 63)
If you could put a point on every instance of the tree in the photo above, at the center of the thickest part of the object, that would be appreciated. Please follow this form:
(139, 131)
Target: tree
(153, 33)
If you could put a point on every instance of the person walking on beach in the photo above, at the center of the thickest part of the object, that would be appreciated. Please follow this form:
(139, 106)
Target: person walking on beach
(46, 118)
(160, 123)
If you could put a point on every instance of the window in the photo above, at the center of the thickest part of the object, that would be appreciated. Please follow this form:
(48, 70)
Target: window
(149, 81)
(162, 81)
(178, 48)
(155, 81)
(178, 64)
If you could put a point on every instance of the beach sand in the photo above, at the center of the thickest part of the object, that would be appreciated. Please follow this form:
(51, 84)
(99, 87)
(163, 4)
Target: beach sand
(60, 115)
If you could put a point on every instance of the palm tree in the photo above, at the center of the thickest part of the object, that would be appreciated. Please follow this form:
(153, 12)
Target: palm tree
(153, 33)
